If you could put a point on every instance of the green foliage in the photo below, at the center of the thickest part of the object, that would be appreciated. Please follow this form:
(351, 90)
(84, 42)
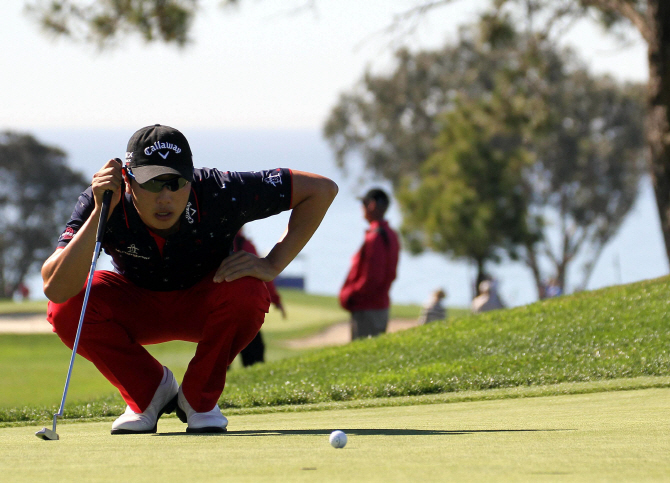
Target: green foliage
(36, 195)
(615, 15)
(102, 22)
(470, 200)
(589, 166)
(170, 21)
(393, 119)
(508, 108)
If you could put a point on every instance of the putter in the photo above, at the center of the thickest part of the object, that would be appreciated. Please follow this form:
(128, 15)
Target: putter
(51, 434)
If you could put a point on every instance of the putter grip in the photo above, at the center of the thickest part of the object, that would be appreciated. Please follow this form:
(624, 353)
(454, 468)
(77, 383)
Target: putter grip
(106, 201)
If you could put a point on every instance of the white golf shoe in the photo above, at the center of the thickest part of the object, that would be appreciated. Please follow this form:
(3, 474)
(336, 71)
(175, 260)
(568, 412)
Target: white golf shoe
(209, 422)
(164, 401)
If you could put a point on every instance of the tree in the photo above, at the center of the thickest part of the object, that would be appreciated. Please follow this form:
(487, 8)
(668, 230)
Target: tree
(469, 200)
(36, 195)
(170, 21)
(497, 99)
(651, 18)
(102, 22)
(588, 168)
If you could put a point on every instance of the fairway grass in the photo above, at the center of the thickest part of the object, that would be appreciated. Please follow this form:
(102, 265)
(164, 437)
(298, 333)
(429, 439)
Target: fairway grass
(612, 436)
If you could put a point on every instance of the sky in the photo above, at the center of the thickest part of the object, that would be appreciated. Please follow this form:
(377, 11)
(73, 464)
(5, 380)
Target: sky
(254, 67)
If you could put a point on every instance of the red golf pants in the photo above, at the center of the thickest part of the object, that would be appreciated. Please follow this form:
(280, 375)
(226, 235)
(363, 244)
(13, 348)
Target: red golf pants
(222, 318)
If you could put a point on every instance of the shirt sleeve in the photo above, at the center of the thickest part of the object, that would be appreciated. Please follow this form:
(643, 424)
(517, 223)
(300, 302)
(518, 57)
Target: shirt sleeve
(80, 214)
(253, 195)
(261, 194)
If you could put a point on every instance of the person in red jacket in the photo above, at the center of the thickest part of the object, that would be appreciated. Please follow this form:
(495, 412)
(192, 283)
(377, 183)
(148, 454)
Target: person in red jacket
(365, 292)
(255, 351)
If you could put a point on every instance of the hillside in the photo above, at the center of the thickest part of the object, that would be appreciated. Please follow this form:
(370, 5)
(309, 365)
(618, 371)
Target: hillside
(617, 332)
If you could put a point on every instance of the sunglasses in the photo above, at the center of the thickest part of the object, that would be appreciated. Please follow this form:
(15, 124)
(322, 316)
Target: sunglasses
(156, 186)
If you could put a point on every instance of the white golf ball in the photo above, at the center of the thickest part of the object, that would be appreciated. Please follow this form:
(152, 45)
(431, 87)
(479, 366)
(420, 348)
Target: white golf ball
(338, 439)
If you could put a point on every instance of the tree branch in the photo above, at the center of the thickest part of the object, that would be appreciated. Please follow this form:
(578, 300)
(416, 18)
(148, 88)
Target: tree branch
(625, 8)
(406, 22)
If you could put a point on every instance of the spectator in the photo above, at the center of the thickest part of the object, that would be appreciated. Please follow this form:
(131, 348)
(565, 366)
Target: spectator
(433, 309)
(488, 298)
(24, 291)
(552, 288)
(365, 292)
(255, 351)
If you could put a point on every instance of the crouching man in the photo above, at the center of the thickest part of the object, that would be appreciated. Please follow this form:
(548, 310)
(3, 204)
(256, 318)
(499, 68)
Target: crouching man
(169, 233)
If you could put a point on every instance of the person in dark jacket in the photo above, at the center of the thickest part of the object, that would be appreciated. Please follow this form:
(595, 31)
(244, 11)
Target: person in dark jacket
(169, 232)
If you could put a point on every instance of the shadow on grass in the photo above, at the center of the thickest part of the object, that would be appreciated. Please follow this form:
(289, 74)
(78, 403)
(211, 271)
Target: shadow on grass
(363, 432)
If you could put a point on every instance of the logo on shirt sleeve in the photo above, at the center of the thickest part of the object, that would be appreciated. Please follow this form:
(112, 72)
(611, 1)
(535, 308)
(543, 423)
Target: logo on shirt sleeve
(68, 234)
(273, 179)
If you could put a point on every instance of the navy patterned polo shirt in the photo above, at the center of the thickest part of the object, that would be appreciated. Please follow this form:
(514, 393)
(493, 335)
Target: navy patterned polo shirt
(219, 204)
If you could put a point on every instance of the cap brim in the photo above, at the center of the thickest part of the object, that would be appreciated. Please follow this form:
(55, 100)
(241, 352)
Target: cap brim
(143, 174)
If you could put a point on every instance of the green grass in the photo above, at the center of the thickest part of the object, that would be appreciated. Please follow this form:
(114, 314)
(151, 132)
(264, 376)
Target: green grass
(33, 366)
(617, 436)
(449, 401)
(306, 315)
(26, 307)
(618, 332)
(612, 333)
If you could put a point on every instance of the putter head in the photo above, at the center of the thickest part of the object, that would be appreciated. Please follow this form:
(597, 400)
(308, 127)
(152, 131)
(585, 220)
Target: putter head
(47, 434)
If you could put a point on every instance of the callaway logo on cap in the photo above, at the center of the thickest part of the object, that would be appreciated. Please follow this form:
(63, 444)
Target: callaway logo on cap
(156, 150)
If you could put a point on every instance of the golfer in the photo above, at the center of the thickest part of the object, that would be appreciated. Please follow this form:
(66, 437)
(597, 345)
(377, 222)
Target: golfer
(169, 233)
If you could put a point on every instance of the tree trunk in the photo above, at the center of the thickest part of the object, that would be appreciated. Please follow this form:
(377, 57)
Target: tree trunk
(658, 116)
(534, 266)
(481, 275)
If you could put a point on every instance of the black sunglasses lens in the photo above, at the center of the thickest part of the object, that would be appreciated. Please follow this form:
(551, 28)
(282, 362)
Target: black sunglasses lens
(175, 184)
(153, 186)
(156, 186)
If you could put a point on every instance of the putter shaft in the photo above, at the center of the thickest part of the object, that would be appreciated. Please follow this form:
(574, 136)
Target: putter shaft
(46, 433)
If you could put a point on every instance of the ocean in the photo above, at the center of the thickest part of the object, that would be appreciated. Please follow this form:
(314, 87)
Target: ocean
(636, 253)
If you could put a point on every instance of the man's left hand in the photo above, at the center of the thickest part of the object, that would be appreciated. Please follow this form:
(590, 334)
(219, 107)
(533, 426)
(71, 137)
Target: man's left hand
(243, 264)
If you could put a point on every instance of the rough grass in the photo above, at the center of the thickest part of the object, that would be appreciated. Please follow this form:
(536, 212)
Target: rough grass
(618, 332)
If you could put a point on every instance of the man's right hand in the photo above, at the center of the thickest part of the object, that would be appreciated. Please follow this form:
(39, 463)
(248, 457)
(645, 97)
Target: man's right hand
(109, 177)
(64, 272)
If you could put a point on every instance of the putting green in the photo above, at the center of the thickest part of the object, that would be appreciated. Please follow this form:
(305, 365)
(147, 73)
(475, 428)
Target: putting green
(613, 436)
